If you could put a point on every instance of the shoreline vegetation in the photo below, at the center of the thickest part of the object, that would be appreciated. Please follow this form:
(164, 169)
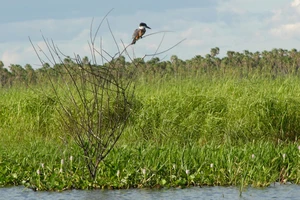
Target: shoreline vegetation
(204, 121)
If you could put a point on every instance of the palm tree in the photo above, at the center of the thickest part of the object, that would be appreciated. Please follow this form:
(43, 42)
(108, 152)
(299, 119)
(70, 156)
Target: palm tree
(18, 73)
(214, 52)
(30, 74)
(5, 75)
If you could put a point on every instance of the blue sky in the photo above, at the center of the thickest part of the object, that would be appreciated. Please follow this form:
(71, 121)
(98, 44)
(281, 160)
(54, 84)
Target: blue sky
(235, 25)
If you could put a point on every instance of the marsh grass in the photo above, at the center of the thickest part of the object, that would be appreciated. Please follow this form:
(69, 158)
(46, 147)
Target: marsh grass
(232, 110)
(202, 130)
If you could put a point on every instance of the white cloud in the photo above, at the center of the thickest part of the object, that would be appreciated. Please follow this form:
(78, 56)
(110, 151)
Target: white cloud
(231, 6)
(295, 3)
(287, 31)
(11, 57)
(193, 42)
(285, 21)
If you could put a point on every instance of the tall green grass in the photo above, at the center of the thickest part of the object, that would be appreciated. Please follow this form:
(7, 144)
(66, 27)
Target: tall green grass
(205, 130)
(219, 110)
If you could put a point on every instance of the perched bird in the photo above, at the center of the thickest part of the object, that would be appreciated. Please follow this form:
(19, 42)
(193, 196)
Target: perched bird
(139, 32)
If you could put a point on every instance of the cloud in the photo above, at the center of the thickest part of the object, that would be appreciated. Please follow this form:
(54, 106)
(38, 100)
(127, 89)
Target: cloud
(296, 6)
(57, 29)
(285, 21)
(72, 35)
(227, 24)
(287, 31)
(295, 3)
(11, 56)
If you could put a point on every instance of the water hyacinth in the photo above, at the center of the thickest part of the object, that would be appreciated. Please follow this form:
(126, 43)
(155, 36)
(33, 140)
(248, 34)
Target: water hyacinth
(144, 171)
(174, 166)
(71, 162)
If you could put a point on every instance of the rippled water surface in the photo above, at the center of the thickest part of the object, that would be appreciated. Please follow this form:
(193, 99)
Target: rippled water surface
(275, 191)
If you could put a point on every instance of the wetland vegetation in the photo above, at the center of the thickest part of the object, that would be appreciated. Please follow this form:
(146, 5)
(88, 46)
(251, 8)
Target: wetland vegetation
(205, 121)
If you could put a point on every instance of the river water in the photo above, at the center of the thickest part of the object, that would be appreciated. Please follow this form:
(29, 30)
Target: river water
(275, 191)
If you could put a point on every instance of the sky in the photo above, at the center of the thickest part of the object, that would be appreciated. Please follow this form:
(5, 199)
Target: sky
(231, 25)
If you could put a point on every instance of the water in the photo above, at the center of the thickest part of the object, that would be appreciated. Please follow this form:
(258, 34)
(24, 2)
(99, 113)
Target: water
(275, 191)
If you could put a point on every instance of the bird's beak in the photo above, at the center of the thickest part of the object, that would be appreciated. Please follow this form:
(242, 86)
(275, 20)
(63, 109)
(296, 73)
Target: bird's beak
(148, 27)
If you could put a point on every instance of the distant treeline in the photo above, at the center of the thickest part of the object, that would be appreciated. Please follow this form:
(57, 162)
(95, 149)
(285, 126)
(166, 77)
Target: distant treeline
(274, 62)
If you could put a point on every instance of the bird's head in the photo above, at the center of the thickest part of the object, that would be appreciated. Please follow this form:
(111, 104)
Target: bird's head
(142, 24)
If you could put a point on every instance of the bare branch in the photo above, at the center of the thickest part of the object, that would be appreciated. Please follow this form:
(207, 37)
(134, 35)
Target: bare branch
(113, 37)
(155, 54)
(94, 101)
(157, 33)
(162, 39)
(96, 33)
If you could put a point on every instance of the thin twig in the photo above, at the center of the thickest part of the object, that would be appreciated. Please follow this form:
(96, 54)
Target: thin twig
(162, 39)
(113, 36)
(96, 33)
(164, 50)
(157, 33)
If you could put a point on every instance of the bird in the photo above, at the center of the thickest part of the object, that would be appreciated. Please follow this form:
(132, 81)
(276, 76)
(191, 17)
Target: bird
(139, 32)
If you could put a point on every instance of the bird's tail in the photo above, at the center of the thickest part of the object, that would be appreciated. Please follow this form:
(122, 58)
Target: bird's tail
(133, 41)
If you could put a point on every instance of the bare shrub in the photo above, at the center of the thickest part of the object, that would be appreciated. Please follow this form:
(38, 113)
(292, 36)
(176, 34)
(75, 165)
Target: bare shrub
(95, 101)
